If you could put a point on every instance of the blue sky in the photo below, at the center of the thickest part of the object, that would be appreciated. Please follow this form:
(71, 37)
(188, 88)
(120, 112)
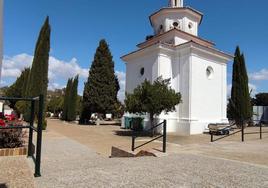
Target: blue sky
(78, 25)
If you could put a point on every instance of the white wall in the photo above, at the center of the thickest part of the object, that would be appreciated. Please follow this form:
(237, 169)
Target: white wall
(186, 22)
(208, 96)
(133, 67)
(203, 98)
(183, 19)
(179, 40)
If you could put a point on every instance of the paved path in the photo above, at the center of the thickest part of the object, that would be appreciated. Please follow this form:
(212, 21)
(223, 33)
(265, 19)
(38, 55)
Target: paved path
(69, 163)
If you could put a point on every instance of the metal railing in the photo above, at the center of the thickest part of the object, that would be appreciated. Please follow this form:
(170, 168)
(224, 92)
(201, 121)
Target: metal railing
(242, 130)
(31, 127)
(164, 136)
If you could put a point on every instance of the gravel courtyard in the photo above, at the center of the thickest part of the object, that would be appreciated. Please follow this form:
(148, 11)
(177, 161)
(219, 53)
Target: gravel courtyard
(68, 163)
(76, 156)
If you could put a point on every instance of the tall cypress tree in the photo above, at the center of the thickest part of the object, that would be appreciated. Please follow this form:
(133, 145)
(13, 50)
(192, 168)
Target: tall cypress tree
(240, 103)
(17, 89)
(66, 99)
(38, 79)
(72, 100)
(100, 92)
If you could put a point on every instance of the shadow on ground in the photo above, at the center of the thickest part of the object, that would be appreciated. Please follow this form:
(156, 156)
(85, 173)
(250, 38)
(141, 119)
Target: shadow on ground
(129, 133)
(2, 185)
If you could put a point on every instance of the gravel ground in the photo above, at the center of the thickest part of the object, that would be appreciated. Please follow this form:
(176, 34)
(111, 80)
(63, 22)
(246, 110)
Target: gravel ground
(15, 172)
(67, 163)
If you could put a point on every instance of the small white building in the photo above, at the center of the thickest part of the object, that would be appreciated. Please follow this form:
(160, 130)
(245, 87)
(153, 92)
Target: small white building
(196, 68)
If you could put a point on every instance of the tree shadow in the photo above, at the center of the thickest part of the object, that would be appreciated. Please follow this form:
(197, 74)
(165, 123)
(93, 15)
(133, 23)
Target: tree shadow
(159, 150)
(129, 133)
(3, 185)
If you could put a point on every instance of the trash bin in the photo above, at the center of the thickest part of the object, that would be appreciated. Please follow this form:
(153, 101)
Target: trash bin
(128, 122)
(137, 124)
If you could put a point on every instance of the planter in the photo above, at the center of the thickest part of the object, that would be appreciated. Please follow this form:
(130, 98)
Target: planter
(13, 151)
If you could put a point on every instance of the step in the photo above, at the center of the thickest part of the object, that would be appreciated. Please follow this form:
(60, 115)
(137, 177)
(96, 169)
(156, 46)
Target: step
(120, 152)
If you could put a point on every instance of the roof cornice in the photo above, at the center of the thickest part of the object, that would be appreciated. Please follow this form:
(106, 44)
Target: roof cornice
(190, 44)
(166, 9)
(208, 50)
(179, 32)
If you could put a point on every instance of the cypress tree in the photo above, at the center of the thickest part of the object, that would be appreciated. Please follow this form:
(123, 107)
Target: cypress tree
(240, 102)
(17, 89)
(100, 92)
(66, 100)
(72, 100)
(38, 79)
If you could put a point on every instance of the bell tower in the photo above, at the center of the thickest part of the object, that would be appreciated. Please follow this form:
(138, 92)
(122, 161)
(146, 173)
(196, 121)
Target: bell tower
(175, 3)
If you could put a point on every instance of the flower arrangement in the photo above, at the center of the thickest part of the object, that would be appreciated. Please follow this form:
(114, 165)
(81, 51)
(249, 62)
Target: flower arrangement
(11, 138)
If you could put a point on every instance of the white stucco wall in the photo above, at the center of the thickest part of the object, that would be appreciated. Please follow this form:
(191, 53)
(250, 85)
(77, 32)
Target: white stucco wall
(204, 99)
(179, 40)
(207, 96)
(150, 64)
(183, 19)
(185, 25)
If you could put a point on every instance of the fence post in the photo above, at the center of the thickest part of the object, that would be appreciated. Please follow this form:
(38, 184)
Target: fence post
(165, 136)
(30, 142)
(39, 137)
(260, 130)
(242, 131)
(133, 143)
(211, 136)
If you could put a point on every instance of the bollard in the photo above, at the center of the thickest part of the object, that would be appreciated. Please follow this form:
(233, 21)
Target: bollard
(165, 136)
(30, 148)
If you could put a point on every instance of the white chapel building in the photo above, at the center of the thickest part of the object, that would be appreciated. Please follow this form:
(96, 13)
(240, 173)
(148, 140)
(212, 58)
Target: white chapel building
(196, 68)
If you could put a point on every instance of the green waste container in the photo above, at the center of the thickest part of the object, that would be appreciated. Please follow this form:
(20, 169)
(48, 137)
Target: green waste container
(137, 124)
(128, 122)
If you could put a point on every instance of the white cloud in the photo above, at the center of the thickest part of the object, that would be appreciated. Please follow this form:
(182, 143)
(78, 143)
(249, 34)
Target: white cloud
(122, 81)
(65, 70)
(12, 66)
(54, 86)
(58, 73)
(58, 69)
(260, 75)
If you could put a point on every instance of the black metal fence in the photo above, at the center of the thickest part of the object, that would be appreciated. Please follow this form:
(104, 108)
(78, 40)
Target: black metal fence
(238, 130)
(163, 135)
(36, 158)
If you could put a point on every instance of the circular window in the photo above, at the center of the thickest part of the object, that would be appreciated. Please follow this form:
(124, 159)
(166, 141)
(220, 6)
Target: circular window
(142, 71)
(190, 25)
(175, 24)
(210, 73)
